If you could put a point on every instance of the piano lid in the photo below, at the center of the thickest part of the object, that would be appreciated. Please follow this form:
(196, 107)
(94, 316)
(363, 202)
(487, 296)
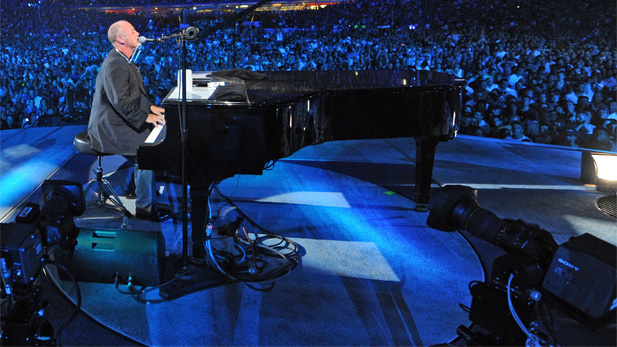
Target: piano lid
(319, 81)
(282, 86)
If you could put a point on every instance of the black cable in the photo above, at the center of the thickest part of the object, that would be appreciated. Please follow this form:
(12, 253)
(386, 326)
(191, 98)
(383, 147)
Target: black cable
(230, 202)
(256, 258)
(117, 278)
(473, 283)
(290, 256)
(547, 318)
(465, 308)
(129, 285)
(137, 295)
(252, 261)
(138, 298)
(218, 211)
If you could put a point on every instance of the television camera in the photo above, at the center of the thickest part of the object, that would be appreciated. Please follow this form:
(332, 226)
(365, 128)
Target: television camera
(539, 292)
(24, 248)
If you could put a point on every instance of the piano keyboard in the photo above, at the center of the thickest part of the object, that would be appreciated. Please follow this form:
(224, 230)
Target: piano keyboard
(154, 134)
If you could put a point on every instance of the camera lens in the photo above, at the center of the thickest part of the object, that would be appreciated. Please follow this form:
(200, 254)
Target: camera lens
(485, 225)
(456, 207)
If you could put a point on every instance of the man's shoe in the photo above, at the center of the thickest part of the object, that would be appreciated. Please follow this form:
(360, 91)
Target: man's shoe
(130, 195)
(158, 215)
(198, 261)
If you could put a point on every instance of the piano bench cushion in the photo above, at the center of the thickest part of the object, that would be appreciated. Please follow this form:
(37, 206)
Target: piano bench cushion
(82, 144)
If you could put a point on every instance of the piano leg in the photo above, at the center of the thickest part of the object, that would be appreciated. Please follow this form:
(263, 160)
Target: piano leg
(200, 217)
(425, 157)
(195, 277)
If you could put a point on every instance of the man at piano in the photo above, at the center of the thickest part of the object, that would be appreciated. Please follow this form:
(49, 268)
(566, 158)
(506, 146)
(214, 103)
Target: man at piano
(122, 115)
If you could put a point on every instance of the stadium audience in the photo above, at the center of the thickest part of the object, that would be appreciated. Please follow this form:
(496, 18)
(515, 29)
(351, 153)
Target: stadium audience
(540, 72)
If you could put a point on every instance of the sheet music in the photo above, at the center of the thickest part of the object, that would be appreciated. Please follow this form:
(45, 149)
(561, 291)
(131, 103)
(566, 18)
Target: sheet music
(202, 75)
(154, 134)
(197, 93)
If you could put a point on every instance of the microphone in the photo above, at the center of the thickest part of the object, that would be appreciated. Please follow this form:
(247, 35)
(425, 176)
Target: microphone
(190, 33)
(143, 39)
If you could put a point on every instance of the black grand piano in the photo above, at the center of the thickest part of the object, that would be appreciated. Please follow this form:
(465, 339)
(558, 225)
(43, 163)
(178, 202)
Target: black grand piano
(238, 121)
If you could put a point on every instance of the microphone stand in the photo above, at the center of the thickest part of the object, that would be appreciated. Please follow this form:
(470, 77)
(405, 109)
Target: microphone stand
(189, 280)
(184, 36)
(181, 39)
(183, 136)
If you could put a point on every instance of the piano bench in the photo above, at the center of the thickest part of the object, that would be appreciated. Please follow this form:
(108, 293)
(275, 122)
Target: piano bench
(105, 189)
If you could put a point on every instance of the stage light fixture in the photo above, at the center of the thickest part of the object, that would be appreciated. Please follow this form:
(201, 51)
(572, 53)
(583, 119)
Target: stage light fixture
(606, 171)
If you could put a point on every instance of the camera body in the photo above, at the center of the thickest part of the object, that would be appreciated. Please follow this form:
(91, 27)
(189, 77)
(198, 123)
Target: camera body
(578, 278)
(23, 317)
(22, 253)
(581, 276)
(23, 256)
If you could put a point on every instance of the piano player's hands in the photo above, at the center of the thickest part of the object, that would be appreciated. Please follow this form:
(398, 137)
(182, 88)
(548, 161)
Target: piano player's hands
(156, 119)
(157, 110)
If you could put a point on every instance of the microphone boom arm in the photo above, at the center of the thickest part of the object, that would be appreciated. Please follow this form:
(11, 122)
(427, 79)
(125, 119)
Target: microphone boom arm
(163, 38)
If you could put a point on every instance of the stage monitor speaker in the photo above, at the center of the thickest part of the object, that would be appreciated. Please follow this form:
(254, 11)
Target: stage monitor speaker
(101, 253)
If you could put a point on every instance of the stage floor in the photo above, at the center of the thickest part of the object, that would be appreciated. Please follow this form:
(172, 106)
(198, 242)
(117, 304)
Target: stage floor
(371, 271)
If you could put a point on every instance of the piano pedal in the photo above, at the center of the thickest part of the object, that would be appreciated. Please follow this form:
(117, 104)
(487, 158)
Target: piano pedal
(421, 207)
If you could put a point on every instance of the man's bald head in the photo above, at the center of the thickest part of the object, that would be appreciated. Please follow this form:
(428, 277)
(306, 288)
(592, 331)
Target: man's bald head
(117, 29)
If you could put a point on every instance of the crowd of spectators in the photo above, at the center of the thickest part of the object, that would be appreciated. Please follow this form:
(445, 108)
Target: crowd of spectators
(119, 3)
(539, 72)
